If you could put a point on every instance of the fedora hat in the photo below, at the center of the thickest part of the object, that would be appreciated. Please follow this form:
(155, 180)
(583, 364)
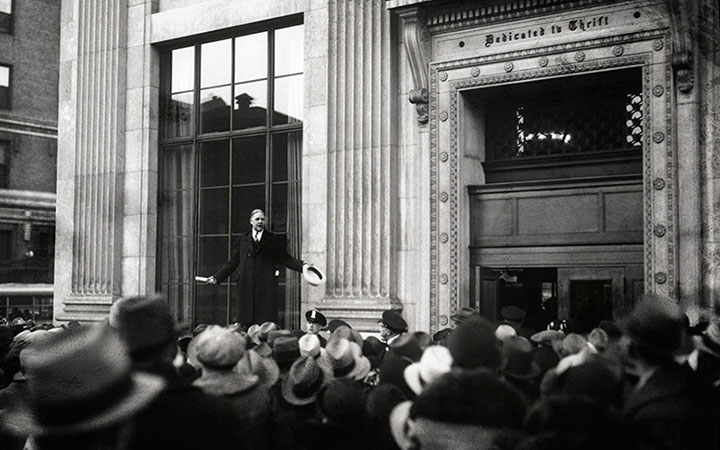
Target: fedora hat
(518, 363)
(407, 346)
(463, 314)
(275, 334)
(253, 331)
(473, 344)
(265, 329)
(219, 348)
(285, 351)
(313, 275)
(265, 368)
(346, 359)
(547, 337)
(340, 402)
(316, 316)
(334, 324)
(344, 332)
(79, 382)
(435, 361)
(303, 381)
(143, 322)
(656, 323)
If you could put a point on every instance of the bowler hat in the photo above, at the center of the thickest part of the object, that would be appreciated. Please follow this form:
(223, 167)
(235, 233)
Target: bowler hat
(518, 363)
(79, 382)
(346, 359)
(435, 361)
(656, 323)
(143, 322)
(219, 347)
(393, 321)
(315, 316)
(313, 275)
(473, 344)
(303, 381)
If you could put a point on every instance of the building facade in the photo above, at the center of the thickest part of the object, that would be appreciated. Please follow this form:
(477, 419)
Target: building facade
(556, 155)
(29, 53)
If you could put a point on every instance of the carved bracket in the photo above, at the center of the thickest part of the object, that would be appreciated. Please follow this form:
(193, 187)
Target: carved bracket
(682, 43)
(417, 47)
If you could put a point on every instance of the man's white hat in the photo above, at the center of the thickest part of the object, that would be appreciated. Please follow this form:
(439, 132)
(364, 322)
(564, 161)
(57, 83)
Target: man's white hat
(313, 275)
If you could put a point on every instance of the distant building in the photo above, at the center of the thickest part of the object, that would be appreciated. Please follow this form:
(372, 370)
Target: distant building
(558, 156)
(29, 55)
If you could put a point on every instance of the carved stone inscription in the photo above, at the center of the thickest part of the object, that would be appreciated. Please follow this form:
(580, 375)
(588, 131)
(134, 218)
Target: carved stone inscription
(569, 26)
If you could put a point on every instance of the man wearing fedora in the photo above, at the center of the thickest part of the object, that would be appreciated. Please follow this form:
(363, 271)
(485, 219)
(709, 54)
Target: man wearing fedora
(258, 255)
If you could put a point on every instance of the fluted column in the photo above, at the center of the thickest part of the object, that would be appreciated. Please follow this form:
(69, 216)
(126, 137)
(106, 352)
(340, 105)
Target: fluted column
(90, 157)
(361, 160)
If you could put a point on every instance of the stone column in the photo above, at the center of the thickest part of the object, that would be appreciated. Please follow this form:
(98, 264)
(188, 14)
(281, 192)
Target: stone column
(362, 193)
(91, 144)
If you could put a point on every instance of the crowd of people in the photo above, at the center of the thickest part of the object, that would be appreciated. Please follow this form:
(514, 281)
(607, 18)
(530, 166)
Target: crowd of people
(647, 381)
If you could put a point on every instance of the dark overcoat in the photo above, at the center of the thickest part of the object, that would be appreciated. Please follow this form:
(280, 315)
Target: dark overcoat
(258, 266)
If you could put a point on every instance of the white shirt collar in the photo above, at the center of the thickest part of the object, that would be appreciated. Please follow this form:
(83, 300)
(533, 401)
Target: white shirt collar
(257, 235)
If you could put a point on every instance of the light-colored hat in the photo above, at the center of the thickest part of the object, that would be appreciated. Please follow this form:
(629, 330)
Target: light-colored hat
(346, 359)
(219, 347)
(504, 331)
(309, 345)
(69, 377)
(435, 361)
(313, 275)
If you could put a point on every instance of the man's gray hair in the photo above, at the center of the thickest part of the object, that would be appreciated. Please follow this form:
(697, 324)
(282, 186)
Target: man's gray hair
(256, 211)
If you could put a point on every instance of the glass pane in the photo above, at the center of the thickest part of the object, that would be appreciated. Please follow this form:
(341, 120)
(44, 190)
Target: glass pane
(175, 212)
(177, 168)
(177, 115)
(215, 109)
(288, 100)
(212, 254)
(4, 76)
(289, 52)
(251, 57)
(183, 69)
(250, 108)
(214, 163)
(213, 211)
(215, 63)
(179, 299)
(245, 199)
(591, 302)
(287, 149)
(279, 208)
(6, 6)
(211, 304)
(176, 259)
(249, 160)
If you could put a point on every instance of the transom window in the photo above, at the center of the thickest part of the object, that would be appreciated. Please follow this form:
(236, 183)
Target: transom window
(4, 87)
(231, 140)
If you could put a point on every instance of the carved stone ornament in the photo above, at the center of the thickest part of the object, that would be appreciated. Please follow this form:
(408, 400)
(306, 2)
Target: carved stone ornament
(443, 320)
(684, 74)
(683, 37)
(443, 156)
(618, 50)
(443, 278)
(475, 71)
(444, 238)
(580, 56)
(443, 116)
(444, 197)
(658, 137)
(660, 277)
(659, 184)
(658, 45)
(543, 61)
(660, 230)
(443, 76)
(417, 47)
(509, 67)
(658, 91)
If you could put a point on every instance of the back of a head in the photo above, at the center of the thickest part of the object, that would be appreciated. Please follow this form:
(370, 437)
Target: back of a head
(473, 344)
(656, 327)
(471, 397)
(144, 324)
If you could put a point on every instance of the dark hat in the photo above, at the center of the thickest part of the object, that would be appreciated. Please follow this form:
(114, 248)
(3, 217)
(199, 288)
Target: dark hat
(709, 341)
(316, 316)
(513, 313)
(442, 335)
(219, 347)
(609, 327)
(656, 323)
(517, 355)
(142, 322)
(471, 397)
(303, 381)
(352, 335)
(286, 350)
(473, 344)
(372, 349)
(393, 321)
(591, 379)
(265, 368)
(346, 359)
(463, 314)
(341, 403)
(408, 346)
(275, 334)
(6, 336)
(334, 324)
(392, 371)
(79, 382)
(546, 358)
(183, 342)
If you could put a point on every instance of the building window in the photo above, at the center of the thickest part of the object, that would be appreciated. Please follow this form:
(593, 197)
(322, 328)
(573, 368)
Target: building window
(231, 141)
(6, 10)
(4, 87)
(4, 163)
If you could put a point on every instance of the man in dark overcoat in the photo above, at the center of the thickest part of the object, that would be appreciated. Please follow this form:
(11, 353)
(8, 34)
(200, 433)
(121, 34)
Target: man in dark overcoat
(258, 255)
